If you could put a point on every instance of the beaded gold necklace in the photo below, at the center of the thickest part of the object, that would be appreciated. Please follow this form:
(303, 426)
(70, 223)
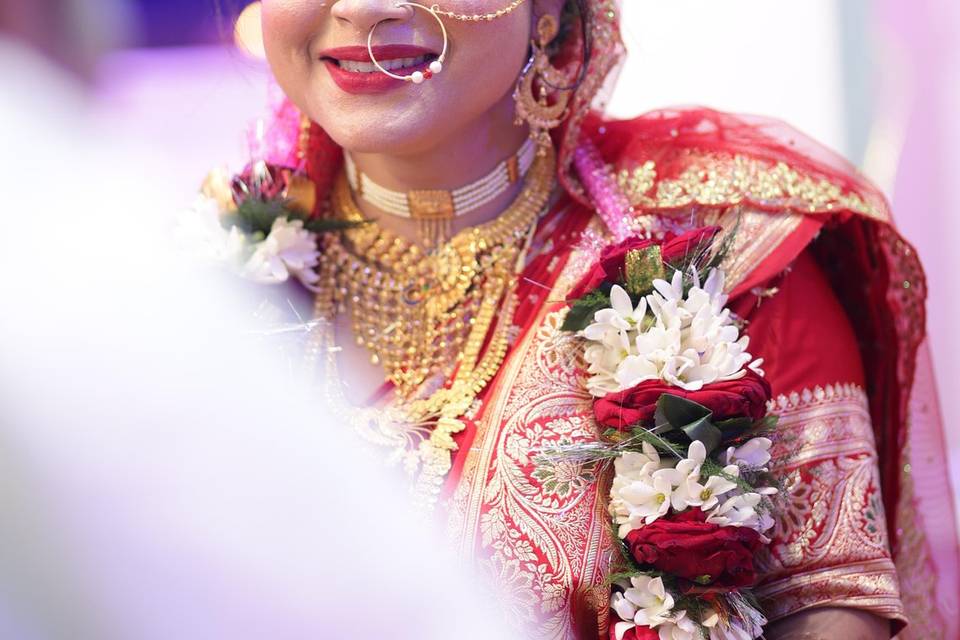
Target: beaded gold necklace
(439, 322)
(414, 311)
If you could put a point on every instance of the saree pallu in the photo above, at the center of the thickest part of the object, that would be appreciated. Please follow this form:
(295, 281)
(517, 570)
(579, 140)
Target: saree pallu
(834, 300)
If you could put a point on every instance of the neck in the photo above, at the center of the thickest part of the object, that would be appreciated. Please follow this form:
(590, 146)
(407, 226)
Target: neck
(458, 160)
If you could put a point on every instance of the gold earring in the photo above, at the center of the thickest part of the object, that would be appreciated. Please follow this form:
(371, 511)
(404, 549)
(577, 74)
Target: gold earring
(532, 94)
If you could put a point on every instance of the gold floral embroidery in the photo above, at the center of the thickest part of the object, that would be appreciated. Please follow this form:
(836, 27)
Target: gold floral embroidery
(714, 179)
(538, 529)
(830, 545)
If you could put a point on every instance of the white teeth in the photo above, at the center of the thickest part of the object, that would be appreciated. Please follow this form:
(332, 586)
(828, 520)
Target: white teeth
(389, 65)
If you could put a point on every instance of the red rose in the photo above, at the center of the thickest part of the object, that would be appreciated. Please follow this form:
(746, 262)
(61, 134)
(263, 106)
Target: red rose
(687, 546)
(746, 397)
(269, 183)
(675, 248)
(634, 633)
(610, 267)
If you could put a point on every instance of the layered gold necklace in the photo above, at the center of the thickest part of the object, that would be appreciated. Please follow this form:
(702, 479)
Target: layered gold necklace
(416, 311)
(438, 322)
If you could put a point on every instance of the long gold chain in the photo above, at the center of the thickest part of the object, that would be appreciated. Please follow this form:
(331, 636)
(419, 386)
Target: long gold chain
(429, 421)
(413, 311)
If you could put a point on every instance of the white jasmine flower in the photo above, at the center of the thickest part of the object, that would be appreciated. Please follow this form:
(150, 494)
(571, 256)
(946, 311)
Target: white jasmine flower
(634, 370)
(687, 340)
(631, 467)
(741, 511)
(641, 490)
(198, 231)
(602, 360)
(650, 598)
(754, 454)
(622, 315)
(706, 495)
(686, 470)
(633, 464)
(288, 250)
(680, 627)
(647, 499)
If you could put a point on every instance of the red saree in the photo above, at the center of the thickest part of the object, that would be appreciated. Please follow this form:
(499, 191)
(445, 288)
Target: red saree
(834, 299)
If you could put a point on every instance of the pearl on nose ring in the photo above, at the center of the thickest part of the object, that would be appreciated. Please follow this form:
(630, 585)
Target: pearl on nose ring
(417, 77)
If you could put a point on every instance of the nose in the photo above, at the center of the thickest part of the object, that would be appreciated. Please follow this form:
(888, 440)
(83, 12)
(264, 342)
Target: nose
(364, 14)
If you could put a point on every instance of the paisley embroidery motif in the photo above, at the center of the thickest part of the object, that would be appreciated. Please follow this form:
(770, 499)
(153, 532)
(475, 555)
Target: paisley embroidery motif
(830, 543)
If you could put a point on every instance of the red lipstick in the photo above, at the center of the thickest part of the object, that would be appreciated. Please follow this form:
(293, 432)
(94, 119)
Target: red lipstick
(376, 81)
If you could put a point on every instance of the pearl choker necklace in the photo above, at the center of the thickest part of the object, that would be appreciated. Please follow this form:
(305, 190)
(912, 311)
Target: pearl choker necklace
(436, 208)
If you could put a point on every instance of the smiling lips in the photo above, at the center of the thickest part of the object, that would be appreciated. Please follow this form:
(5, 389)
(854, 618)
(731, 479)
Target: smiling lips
(354, 72)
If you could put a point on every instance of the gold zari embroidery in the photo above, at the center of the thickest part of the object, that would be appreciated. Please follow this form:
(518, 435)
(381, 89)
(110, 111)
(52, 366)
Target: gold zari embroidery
(723, 180)
(830, 544)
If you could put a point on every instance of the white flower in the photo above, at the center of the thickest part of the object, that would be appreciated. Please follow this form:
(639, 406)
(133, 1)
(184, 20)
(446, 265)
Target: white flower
(705, 495)
(288, 249)
(710, 348)
(650, 599)
(603, 359)
(753, 454)
(641, 490)
(741, 511)
(686, 470)
(680, 627)
(199, 232)
(634, 370)
(687, 340)
(621, 316)
(647, 500)
(634, 464)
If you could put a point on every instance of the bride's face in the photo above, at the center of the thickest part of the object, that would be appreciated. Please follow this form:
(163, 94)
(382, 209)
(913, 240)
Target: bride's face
(318, 53)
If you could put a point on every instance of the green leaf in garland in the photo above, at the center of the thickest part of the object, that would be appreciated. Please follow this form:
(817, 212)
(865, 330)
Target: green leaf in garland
(674, 413)
(255, 216)
(734, 427)
(583, 309)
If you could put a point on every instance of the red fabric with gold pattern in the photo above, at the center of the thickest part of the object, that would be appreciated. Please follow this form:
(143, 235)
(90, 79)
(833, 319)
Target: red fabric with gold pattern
(542, 533)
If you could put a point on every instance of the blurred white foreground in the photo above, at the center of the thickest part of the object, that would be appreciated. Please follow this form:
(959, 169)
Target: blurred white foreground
(160, 475)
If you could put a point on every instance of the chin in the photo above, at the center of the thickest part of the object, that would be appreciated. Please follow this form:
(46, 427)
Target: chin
(393, 133)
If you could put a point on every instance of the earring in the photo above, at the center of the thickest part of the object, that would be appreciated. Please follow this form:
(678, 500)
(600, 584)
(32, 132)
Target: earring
(534, 105)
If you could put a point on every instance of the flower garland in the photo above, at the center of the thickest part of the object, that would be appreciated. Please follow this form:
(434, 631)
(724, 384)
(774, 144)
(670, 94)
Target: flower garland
(260, 224)
(684, 407)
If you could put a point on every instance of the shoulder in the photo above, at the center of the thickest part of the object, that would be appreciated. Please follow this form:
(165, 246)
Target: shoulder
(771, 184)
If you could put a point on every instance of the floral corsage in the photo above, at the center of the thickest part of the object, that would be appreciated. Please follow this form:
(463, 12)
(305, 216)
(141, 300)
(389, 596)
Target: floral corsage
(683, 405)
(260, 224)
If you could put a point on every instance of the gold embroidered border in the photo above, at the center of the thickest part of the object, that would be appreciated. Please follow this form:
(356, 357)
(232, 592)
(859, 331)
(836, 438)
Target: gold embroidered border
(870, 586)
(830, 545)
(720, 180)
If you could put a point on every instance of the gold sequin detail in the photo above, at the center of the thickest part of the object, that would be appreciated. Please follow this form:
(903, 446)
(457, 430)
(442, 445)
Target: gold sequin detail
(725, 180)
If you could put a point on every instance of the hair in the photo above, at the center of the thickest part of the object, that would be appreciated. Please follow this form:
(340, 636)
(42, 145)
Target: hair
(576, 13)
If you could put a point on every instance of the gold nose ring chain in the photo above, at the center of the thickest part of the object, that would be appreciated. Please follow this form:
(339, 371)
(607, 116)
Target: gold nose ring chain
(418, 77)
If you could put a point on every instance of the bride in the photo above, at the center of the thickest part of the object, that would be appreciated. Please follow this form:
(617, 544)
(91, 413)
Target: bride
(453, 191)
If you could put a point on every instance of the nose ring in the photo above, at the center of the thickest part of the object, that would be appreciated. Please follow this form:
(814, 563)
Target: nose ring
(417, 77)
